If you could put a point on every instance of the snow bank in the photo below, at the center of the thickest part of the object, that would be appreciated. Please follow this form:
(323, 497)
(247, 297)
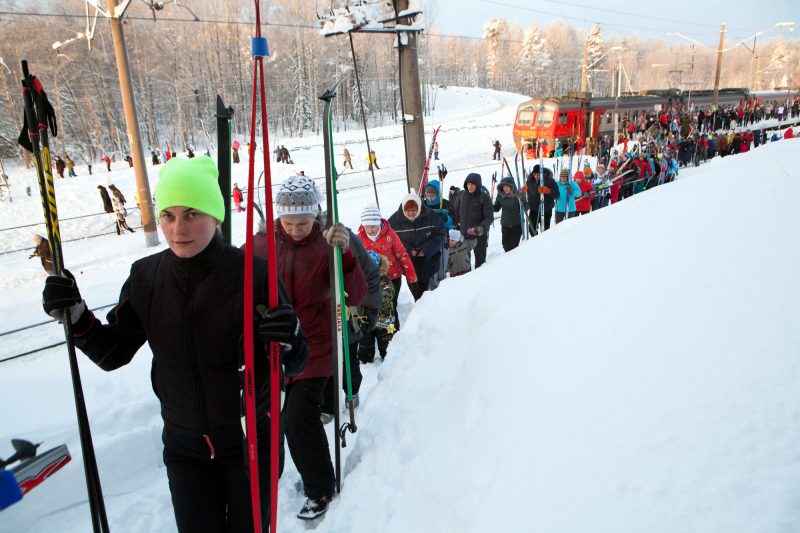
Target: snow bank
(633, 370)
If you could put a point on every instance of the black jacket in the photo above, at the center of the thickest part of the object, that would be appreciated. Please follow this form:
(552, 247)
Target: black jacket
(533, 192)
(190, 313)
(425, 233)
(474, 208)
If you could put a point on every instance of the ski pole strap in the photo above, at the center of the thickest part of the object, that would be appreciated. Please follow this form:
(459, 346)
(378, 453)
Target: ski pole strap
(259, 47)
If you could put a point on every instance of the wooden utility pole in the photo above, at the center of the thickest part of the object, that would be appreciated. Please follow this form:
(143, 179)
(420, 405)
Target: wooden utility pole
(411, 94)
(719, 65)
(132, 125)
(584, 69)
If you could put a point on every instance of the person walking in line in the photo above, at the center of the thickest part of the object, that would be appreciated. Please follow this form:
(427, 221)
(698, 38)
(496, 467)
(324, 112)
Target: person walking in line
(186, 304)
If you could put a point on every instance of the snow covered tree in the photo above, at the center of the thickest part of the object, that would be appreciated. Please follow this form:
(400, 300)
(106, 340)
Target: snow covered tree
(534, 58)
(302, 115)
(493, 31)
(595, 43)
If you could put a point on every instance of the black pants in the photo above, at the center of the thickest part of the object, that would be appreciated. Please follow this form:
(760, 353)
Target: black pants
(306, 437)
(213, 495)
(397, 283)
(561, 216)
(355, 369)
(480, 249)
(419, 288)
(511, 237)
(548, 214)
(366, 346)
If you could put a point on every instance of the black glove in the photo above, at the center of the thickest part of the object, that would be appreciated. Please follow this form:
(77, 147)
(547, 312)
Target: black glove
(279, 324)
(61, 294)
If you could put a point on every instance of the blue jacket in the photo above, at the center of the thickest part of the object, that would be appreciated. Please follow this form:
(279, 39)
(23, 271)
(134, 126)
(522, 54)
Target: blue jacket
(567, 192)
(446, 210)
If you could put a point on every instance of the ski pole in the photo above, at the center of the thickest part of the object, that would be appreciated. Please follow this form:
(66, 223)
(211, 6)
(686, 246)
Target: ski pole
(38, 114)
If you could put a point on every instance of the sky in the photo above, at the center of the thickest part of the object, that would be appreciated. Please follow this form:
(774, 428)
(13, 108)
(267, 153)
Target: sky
(697, 19)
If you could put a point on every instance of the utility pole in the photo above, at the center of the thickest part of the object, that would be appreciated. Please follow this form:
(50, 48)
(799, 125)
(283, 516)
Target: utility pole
(132, 124)
(719, 65)
(584, 69)
(410, 93)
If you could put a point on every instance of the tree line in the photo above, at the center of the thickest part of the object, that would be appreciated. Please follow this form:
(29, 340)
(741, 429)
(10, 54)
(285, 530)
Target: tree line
(180, 65)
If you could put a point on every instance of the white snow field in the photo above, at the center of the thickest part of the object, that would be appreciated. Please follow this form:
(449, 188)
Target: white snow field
(633, 370)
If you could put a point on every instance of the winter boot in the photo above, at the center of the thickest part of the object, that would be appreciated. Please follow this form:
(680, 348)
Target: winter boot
(314, 508)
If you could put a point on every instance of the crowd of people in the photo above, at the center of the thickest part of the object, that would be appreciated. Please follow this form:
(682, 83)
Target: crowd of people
(171, 299)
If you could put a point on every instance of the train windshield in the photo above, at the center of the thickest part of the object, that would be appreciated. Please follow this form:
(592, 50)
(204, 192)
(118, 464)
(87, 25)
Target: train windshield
(525, 116)
(545, 117)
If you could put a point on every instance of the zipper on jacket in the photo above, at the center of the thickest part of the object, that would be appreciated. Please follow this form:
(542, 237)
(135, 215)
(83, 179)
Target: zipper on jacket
(193, 367)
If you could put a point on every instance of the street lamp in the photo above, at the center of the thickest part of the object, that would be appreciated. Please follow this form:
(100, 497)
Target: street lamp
(754, 78)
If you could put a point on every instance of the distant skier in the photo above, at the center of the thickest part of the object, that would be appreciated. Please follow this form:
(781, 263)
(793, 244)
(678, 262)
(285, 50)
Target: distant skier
(120, 212)
(154, 158)
(372, 159)
(497, 155)
(238, 197)
(60, 166)
(70, 166)
(42, 251)
(129, 160)
(190, 153)
(106, 199)
(235, 147)
(347, 160)
(107, 160)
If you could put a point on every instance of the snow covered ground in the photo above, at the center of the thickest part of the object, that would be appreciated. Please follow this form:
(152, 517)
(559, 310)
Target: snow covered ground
(632, 370)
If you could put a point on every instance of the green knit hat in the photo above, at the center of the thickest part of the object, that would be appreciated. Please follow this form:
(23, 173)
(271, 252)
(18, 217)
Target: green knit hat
(190, 183)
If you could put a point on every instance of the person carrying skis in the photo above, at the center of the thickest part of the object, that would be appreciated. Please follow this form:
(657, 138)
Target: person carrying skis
(107, 207)
(643, 172)
(422, 233)
(186, 303)
(600, 184)
(433, 199)
(475, 215)
(669, 168)
(535, 191)
(377, 235)
(303, 252)
(583, 203)
(42, 251)
(567, 192)
(509, 202)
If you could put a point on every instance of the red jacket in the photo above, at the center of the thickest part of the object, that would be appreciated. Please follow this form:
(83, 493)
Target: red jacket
(642, 167)
(389, 245)
(584, 205)
(789, 134)
(303, 268)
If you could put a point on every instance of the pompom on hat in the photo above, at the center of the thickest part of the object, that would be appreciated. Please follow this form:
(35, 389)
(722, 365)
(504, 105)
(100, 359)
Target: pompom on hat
(190, 183)
(298, 196)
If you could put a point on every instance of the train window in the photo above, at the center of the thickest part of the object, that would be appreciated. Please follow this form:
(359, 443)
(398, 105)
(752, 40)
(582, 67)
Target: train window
(525, 117)
(608, 117)
(545, 117)
(562, 118)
